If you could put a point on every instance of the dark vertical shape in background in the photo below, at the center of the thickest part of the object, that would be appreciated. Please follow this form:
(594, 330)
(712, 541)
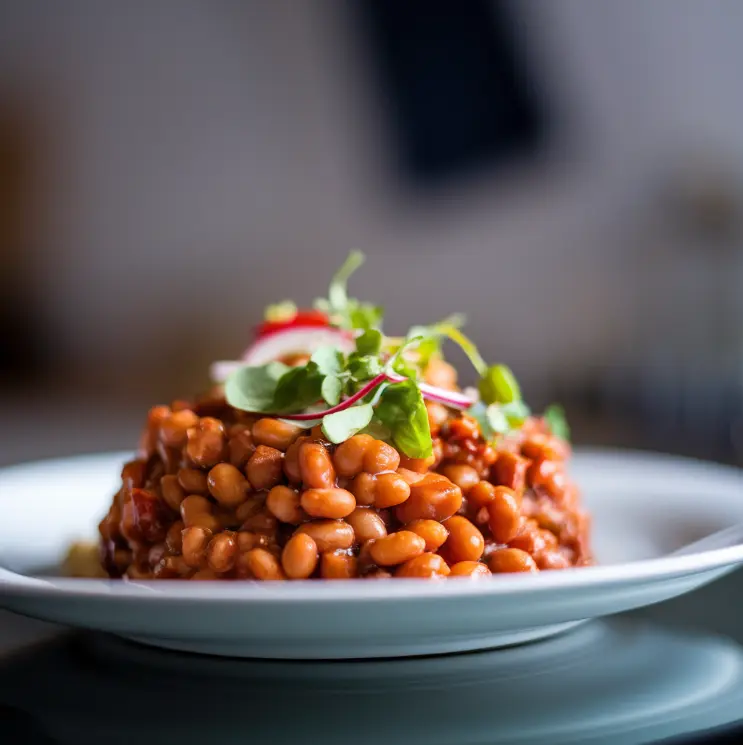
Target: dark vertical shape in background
(454, 85)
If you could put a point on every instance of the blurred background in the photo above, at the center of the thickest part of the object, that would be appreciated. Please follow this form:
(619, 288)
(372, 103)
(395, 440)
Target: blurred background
(568, 174)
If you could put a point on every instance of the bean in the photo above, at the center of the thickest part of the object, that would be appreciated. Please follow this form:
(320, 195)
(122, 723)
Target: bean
(260, 522)
(241, 447)
(174, 539)
(540, 446)
(299, 557)
(173, 493)
(283, 503)
(481, 494)
(380, 457)
(432, 532)
(329, 535)
(397, 548)
(247, 540)
(426, 565)
(133, 474)
(274, 433)
(251, 506)
(263, 564)
(505, 518)
(549, 475)
(465, 542)
(364, 488)
(391, 490)
(507, 560)
(149, 438)
(434, 497)
(548, 560)
(465, 477)
(349, 455)
(264, 469)
(206, 442)
(315, 466)
(330, 503)
(174, 430)
(194, 505)
(410, 476)
(291, 460)
(227, 485)
(195, 541)
(510, 470)
(193, 481)
(533, 540)
(416, 465)
(366, 524)
(464, 428)
(338, 565)
(474, 569)
(222, 552)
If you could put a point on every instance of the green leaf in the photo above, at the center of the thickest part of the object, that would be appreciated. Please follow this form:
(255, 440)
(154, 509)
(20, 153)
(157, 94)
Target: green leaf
(497, 419)
(331, 390)
(254, 388)
(479, 411)
(498, 385)
(369, 343)
(556, 420)
(340, 426)
(450, 330)
(364, 368)
(504, 417)
(401, 409)
(298, 388)
(337, 294)
(364, 315)
(349, 313)
(329, 360)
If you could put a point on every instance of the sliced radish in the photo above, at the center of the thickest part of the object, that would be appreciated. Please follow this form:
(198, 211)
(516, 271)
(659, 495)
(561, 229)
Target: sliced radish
(296, 340)
(221, 370)
(302, 318)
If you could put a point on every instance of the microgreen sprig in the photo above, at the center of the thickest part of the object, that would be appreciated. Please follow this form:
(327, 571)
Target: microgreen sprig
(346, 312)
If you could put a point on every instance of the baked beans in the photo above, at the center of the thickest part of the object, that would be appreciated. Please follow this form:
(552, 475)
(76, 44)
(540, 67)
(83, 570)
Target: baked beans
(221, 494)
(299, 557)
(283, 503)
(264, 467)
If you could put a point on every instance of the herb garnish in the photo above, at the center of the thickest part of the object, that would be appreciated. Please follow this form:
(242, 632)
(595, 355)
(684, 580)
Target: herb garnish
(556, 420)
(346, 312)
(378, 387)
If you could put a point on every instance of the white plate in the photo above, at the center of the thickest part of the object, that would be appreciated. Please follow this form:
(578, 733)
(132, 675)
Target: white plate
(645, 507)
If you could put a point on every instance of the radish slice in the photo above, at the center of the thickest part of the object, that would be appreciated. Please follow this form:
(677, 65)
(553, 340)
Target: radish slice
(221, 370)
(455, 399)
(296, 340)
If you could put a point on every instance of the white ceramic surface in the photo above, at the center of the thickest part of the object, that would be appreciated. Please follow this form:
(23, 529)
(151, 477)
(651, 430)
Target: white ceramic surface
(645, 507)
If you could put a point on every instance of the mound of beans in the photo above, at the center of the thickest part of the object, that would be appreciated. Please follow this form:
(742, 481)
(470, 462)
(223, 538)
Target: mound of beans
(216, 493)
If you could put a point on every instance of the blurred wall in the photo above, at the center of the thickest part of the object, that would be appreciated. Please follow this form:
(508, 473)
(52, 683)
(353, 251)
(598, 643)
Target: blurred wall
(205, 159)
